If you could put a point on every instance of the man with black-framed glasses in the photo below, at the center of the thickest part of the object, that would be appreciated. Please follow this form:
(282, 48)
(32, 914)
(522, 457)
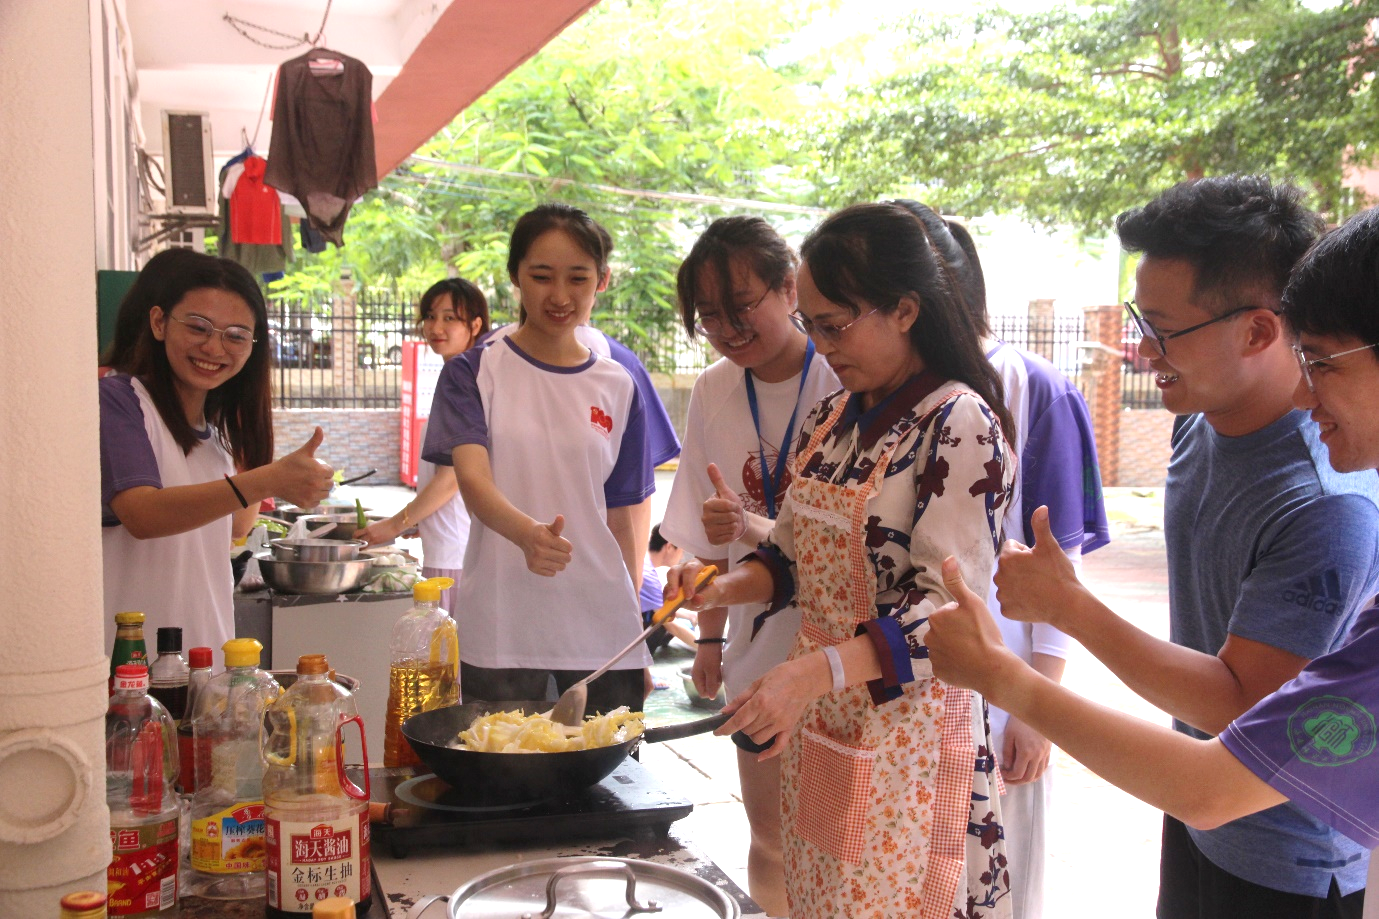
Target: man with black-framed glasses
(1271, 551)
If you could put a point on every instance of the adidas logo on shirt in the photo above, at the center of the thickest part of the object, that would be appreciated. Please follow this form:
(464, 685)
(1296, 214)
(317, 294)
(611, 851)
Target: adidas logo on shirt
(1320, 593)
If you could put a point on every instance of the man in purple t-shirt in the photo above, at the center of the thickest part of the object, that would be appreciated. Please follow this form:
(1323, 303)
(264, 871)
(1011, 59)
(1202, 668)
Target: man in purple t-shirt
(1313, 741)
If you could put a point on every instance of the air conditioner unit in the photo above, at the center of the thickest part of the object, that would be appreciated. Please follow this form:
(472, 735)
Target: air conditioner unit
(187, 165)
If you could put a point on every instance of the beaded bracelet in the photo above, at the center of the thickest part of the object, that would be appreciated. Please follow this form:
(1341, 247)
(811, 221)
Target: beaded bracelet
(711, 641)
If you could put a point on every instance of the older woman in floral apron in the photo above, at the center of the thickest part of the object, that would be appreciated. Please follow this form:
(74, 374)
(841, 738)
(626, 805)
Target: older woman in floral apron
(889, 801)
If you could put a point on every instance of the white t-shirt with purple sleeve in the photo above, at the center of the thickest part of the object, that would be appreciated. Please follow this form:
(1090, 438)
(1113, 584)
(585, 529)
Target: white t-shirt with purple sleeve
(182, 580)
(567, 441)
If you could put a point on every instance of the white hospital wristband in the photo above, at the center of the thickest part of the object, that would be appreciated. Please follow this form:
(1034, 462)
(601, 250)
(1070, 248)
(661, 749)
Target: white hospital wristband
(835, 664)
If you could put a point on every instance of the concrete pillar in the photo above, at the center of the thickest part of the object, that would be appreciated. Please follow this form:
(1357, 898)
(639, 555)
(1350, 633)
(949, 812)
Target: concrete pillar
(344, 337)
(54, 826)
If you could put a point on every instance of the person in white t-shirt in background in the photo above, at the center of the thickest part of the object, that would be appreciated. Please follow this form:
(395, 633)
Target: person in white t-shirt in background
(737, 288)
(1057, 468)
(550, 448)
(452, 315)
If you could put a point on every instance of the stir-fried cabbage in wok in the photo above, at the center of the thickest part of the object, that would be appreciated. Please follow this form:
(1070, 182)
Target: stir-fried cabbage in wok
(514, 732)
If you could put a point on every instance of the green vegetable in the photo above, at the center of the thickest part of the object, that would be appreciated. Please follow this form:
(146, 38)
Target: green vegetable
(360, 520)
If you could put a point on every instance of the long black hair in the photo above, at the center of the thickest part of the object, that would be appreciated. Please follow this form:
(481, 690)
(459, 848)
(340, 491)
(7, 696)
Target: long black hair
(468, 300)
(875, 254)
(240, 410)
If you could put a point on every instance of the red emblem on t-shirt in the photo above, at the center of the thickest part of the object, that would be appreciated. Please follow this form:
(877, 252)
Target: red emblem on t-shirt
(600, 420)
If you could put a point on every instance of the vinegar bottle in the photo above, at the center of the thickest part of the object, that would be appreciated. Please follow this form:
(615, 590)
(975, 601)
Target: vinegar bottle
(317, 820)
(169, 674)
(198, 676)
(227, 845)
(425, 671)
(140, 769)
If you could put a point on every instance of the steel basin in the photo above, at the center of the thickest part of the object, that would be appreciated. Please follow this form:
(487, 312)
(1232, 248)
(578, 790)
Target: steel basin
(314, 577)
(316, 550)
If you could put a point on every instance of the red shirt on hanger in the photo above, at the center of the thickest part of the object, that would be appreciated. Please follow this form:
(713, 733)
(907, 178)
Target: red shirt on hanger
(255, 211)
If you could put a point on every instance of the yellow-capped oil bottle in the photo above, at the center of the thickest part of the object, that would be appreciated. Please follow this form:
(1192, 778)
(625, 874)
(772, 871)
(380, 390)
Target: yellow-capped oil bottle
(316, 818)
(425, 670)
(227, 844)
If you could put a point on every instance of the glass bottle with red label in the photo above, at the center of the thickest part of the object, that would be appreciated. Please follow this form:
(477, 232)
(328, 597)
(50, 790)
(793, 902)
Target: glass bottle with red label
(140, 771)
(227, 832)
(316, 819)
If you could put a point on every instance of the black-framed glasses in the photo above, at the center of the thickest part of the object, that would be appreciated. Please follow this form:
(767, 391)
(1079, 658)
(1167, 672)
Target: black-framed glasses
(236, 339)
(823, 331)
(1306, 363)
(716, 325)
(1158, 342)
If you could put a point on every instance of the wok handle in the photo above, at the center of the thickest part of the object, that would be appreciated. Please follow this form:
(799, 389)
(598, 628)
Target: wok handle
(684, 729)
(604, 867)
(424, 903)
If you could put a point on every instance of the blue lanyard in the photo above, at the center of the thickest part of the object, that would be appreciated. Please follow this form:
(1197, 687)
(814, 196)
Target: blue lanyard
(769, 480)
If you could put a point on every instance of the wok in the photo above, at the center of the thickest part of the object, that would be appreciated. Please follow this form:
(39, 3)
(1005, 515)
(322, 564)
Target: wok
(503, 778)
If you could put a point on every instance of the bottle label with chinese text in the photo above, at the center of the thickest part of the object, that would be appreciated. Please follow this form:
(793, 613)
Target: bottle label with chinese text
(142, 877)
(230, 842)
(309, 861)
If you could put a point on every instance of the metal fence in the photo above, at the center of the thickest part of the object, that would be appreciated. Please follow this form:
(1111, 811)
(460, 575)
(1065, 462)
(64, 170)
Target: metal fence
(338, 354)
(1137, 389)
(1054, 338)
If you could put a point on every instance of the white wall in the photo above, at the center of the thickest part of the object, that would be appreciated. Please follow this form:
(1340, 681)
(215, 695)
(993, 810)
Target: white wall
(53, 822)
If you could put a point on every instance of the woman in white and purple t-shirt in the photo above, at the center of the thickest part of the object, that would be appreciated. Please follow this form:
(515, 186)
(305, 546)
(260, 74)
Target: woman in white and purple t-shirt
(549, 445)
(187, 443)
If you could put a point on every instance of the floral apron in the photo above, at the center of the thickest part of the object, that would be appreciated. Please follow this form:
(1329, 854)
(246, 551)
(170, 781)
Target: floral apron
(875, 799)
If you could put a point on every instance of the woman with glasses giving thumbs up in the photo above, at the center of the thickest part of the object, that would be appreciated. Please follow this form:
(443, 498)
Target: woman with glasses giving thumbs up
(737, 289)
(187, 445)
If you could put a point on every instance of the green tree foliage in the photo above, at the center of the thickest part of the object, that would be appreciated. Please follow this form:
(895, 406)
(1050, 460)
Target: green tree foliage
(1073, 114)
(635, 104)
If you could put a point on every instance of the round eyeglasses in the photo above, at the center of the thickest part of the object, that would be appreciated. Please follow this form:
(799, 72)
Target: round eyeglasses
(1306, 363)
(823, 331)
(1159, 343)
(716, 325)
(236, 339)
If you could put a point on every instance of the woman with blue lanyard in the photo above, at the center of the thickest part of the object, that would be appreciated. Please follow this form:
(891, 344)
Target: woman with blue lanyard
(737, 289)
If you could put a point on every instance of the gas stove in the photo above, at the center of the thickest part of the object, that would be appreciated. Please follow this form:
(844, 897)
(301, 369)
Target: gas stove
(418, 809)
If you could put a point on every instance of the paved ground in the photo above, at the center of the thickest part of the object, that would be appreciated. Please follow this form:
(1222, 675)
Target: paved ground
(1103, 845)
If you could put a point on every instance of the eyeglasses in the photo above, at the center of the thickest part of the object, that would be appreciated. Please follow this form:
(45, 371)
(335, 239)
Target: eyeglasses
(1157, 342)
(1307, 363)
(823, 331)
(236, 339)
(713, 326)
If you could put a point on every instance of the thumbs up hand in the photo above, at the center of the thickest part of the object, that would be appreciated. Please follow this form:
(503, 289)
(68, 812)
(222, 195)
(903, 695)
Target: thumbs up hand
(300, 477)
(1036, 584)
(724, 518)
(546, 550)
(965, 646)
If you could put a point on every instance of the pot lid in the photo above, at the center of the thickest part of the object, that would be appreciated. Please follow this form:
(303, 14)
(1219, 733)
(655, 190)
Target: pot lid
(590, 888)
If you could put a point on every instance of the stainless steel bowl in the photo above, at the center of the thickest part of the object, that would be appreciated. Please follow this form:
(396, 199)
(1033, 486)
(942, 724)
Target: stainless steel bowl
(316, 550)
(345, 524)
(695, 699)
(313, 577)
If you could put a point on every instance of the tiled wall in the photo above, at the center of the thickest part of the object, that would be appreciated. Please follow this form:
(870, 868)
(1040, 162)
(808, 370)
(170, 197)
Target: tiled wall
(357, 440)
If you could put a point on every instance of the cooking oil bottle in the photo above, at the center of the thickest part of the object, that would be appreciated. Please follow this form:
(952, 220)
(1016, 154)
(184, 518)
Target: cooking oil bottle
(227, 844)
(140, 771)
(316, 819)
(425, 672)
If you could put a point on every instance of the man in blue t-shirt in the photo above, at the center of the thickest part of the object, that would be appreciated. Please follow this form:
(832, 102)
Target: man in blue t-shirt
(1312, 742)
(1271, 551)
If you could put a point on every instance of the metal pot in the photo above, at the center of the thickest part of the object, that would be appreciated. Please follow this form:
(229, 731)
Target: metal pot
(503, 778)
(345, 524)
(316, 550)
(314, 577)
(586, 886)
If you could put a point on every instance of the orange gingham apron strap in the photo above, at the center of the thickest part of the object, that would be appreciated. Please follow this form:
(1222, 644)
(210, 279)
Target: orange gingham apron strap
(952, 805)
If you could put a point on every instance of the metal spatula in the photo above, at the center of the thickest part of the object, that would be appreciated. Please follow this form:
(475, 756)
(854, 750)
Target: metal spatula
(569, 708)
